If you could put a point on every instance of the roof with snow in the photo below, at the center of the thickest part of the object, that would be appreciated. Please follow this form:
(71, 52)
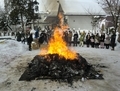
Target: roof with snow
(81, 7)
(48, 7)
(71, 7)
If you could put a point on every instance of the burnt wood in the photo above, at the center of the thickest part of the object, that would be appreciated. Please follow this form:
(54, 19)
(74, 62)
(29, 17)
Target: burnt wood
(55, 67)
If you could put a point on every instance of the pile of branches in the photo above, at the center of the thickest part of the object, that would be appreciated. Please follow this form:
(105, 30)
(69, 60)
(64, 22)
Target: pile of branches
(55, 67)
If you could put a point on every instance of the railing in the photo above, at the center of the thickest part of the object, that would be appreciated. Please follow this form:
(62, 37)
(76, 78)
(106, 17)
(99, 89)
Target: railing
(7, 35)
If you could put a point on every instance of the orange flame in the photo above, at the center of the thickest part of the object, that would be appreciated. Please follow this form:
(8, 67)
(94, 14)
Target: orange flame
(57, 45)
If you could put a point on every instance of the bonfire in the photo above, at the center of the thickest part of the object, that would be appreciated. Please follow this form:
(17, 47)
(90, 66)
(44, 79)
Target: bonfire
(58, 61)
(57, 45)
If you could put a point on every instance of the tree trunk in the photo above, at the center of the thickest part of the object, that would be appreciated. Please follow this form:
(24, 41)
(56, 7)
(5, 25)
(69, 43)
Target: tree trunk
(118, 34)
(22, 22)
(118, 38)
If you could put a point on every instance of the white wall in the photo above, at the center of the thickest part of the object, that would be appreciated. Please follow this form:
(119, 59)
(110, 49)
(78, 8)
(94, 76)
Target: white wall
(82, 22)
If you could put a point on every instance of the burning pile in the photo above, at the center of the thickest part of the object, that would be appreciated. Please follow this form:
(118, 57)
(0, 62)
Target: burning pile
(52, 66)
(59, 62)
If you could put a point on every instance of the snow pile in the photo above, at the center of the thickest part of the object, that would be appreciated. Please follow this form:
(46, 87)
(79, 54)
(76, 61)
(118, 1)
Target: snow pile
(7, 37)
(117, 48)
(9, 49)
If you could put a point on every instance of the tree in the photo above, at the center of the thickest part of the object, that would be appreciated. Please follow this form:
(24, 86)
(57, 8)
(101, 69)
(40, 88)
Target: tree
(2, 13)
(21, 9)
(95, 22)
(103, 27)
(96, 16)
(3, 21)
(14, 16)
(113, 8)
(18, 11)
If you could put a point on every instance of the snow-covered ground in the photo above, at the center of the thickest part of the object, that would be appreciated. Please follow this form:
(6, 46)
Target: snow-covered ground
(14, 58)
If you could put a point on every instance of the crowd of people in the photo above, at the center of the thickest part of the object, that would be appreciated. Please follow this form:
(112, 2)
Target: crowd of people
(71, 37)
(98, 40)
(37, 36)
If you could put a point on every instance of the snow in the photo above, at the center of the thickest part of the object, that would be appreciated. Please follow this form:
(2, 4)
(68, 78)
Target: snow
(9, 50)
(14, 58)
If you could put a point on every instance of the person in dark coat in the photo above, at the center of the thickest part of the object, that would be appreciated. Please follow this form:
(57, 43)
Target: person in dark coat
(42, 38)
(88, 40)
(29, 41)
(113, 37)
(92, 40)
(75, 39)
(37, 33)
(18, 35)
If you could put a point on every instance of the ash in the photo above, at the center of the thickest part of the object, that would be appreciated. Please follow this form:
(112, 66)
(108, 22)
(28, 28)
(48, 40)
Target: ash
(55, 67)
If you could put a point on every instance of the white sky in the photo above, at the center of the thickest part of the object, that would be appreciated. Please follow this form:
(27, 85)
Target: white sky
(2, 4)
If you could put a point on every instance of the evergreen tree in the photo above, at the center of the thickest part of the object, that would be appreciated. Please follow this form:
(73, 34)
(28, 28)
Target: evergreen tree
(22, 9)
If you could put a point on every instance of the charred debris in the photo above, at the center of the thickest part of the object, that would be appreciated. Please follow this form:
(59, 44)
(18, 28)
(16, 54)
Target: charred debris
(55, 67)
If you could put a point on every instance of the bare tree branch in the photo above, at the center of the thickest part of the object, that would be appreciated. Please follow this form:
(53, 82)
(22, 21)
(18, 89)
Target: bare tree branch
(113, 8)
